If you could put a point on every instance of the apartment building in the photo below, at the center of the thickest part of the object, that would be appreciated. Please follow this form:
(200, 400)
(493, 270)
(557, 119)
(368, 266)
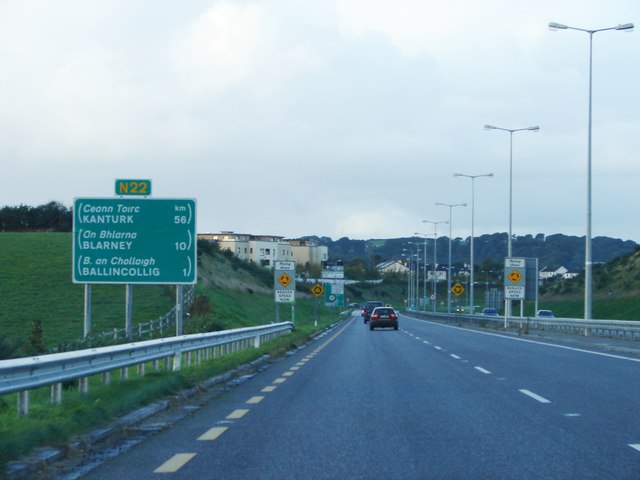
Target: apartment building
(265, 250)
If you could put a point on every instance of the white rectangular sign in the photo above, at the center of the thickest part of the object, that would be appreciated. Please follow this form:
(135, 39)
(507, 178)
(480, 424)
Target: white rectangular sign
(285, 266)
(285, 296)
(514, 262)
(514, 292)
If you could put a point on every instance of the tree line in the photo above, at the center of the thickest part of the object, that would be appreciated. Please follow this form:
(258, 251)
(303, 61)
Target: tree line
(50, 217)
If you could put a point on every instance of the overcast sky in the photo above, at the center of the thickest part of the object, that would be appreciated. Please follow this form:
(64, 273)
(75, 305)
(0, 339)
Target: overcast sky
(332, 118)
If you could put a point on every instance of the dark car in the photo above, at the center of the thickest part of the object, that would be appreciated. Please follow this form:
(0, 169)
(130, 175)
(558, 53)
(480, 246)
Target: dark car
(545, 314)
(383, 317)
(367, 308)
(491, 312)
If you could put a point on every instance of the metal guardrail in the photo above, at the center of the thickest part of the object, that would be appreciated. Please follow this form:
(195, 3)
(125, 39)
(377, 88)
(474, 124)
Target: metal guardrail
(623, 329)
(24, 374)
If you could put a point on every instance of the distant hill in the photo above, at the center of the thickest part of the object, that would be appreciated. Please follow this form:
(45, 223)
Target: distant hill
(551, 250)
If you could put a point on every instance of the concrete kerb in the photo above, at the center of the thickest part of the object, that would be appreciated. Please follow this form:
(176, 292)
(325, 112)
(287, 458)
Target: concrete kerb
(44, 459)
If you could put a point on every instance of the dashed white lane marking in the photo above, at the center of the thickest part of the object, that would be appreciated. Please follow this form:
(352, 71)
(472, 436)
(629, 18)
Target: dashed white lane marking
(425, 342)
(455, 356)
(213, 433)
(635, 446)
(256, 399)
(175, 463)
(534, 396)
(438, 348)
(483, 370)
(237, 414)
(572, 415)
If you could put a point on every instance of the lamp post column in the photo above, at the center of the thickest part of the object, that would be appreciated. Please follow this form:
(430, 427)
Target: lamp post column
(507, 302)
(450, 234)
(626, 27)
(471, 267)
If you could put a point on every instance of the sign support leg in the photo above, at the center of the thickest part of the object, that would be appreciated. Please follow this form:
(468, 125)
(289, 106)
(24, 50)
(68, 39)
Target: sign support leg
(179, 328)
(87, 309)
(129, 311)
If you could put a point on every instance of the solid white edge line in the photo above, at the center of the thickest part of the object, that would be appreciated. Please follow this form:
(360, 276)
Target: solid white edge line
(534, 396)
(635, 446)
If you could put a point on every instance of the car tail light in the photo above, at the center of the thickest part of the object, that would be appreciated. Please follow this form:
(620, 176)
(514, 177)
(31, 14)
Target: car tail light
(393, 315)
(375, 315)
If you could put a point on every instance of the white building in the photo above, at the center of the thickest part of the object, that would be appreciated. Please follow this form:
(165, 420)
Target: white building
(265, 250)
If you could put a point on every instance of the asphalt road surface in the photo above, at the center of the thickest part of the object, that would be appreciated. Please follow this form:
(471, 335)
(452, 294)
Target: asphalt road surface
(428, 401)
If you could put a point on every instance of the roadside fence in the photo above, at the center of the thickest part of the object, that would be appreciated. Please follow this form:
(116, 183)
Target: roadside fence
(21, 375)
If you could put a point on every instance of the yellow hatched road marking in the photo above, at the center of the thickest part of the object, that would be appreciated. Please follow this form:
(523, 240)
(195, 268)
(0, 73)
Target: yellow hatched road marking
(241, 412)
(175, 463)
(213, 433)
(256, 399)
(269, 389)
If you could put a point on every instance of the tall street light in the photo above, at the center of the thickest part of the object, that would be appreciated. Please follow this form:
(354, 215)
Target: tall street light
(511, 131)
(626, 27)
(435, 243)
(425, 235)
(451, 206)
(473, 182)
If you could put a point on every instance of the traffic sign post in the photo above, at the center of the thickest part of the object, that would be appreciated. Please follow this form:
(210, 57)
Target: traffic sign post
(520, 282)
(142, 241)
(285, 286)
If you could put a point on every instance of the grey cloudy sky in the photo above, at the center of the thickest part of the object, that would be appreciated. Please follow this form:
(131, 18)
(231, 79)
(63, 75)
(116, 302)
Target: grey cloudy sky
(333, 118)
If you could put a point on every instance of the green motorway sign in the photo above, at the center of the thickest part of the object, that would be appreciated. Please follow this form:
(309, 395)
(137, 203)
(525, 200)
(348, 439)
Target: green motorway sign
(144, 241)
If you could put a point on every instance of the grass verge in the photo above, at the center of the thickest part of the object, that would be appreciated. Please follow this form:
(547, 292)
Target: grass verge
(53, 425)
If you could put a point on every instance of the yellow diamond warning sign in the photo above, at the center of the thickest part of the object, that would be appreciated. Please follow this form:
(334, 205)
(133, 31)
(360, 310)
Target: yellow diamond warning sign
(284, 279)
(317, 290)
(515, 276)
(457, 289)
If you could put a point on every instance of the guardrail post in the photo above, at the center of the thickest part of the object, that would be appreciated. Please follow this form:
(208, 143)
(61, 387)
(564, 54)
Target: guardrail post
(256, 341)
(106, 378)
(141, 369)
(83, 385)
(177, 361)
(124, 373)
(23, 403)
(56, 393)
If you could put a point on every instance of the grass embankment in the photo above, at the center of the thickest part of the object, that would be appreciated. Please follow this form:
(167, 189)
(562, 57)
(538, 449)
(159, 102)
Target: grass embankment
(35, 282)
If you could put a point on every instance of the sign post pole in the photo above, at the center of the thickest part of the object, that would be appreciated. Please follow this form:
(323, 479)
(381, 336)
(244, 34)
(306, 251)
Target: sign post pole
(129, 310)
(179, 306)
(87, 309)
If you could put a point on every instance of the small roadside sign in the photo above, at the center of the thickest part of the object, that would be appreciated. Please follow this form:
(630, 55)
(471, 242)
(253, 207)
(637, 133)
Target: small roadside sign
(457, 289)
(317, 290)
(285, 296)
(284, 282)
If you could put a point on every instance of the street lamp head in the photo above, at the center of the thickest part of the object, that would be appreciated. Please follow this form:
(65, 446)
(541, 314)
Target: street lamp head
(627, 27)
(534, 129)
(490, 127)
(553, 26)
